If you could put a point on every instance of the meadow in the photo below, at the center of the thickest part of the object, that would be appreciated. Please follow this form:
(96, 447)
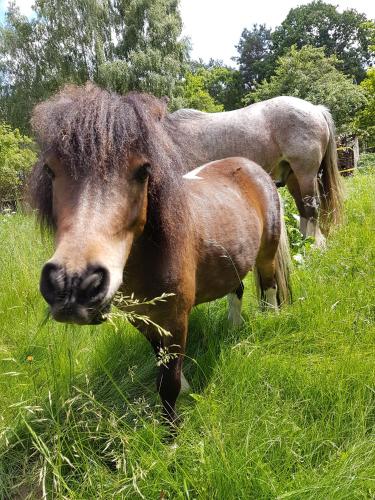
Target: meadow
(283, 407)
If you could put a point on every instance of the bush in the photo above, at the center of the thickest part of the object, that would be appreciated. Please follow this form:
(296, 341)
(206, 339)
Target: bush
(364, 121)
(366, 162)
(16, 159)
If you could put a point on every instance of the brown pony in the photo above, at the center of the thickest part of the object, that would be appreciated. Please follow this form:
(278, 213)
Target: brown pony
(125, 218)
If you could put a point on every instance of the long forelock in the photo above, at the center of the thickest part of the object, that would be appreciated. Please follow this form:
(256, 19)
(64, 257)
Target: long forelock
(89, 129)
(93, 131)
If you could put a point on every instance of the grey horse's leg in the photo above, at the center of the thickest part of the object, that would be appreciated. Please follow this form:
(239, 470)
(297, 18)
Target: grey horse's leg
(302, 185)
(294, 189)
(310, 198)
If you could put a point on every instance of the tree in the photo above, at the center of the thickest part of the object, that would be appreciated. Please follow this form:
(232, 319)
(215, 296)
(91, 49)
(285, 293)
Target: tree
(150, 54)
(365, 120)
(223, 83)
(37, 56)
(308, 74)
(210, 87)
(196, 96)
(318, 24)
(123, 45)
(255, 58)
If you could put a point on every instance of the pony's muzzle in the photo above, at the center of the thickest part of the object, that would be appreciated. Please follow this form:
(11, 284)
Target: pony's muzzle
(75, 298)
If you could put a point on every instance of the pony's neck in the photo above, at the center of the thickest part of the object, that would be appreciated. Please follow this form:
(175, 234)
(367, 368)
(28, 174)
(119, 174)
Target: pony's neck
(167, 207)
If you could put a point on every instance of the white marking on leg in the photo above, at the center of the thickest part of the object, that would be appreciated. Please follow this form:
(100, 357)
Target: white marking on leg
(312, 229)
(185, 386)
(234, 311)
(320, 241)
(270, 298)
(193, 173)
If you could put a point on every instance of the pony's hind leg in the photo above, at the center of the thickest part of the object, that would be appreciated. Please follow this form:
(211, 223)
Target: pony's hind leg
(273, 264)
(234, 306)
(265, 280)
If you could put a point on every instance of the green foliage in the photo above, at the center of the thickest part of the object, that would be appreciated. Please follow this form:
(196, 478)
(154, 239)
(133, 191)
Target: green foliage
(211, 87)
(38, 55)
(256, 59)
(348, 35)
(319, 24)
(308, 74)
(364, 122)
(143, 24)
(223, 83)
(124, 45)
(281, 408)
(16, 159)
(366, 162)
(196, 95)
(150, 54)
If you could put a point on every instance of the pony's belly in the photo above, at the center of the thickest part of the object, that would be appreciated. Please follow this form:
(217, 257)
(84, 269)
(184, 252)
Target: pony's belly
(218, 277)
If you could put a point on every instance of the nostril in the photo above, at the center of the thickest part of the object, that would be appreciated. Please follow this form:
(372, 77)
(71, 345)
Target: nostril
(92, 281)
(52, 282)
(94, 285)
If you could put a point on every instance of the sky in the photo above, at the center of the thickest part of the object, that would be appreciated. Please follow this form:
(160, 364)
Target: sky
(214, 27)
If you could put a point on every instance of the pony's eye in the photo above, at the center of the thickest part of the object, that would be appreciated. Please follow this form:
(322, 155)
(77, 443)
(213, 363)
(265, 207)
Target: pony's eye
(48, 171)
(143, 172)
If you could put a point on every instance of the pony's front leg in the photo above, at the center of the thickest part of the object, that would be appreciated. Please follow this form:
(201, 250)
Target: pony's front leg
(169, 386)
(169, 353)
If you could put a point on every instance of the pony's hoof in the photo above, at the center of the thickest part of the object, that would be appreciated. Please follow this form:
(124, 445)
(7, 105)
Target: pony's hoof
(320, 243)
(235, 321)
(270, 302)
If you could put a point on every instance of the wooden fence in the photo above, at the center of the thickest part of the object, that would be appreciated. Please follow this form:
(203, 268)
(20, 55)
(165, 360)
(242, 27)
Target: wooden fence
(348, 154)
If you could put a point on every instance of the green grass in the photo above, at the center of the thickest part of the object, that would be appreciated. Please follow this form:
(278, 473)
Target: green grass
(282, 408)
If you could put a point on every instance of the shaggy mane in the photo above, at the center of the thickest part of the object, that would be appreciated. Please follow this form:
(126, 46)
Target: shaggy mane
(93, 131)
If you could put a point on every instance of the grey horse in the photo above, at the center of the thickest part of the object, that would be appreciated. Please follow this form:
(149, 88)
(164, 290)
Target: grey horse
(290, 138)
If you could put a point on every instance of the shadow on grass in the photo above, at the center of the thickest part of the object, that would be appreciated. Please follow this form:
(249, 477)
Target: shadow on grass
(123, 368)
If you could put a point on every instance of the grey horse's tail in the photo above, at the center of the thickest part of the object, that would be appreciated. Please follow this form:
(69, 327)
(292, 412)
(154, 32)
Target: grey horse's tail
(283, 263)
(329, 181)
